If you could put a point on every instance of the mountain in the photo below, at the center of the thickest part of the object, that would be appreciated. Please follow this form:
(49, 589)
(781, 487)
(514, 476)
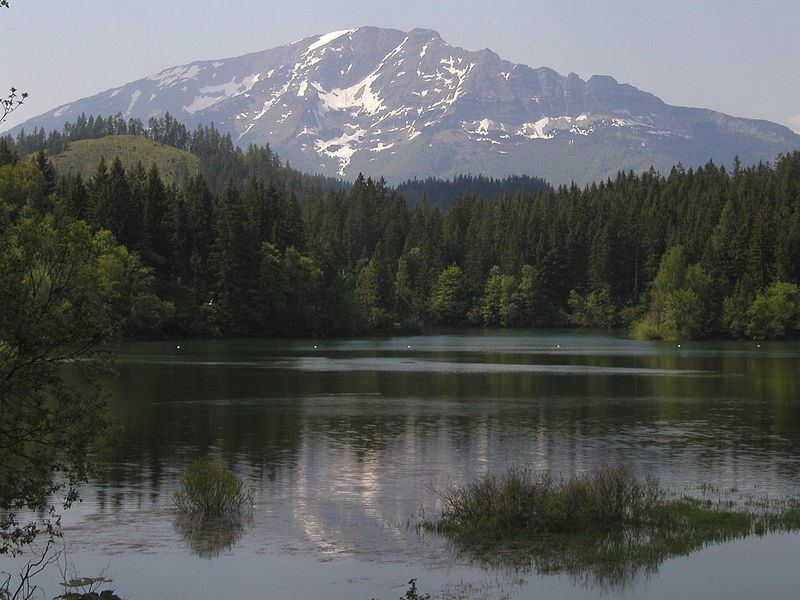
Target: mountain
(404, 105)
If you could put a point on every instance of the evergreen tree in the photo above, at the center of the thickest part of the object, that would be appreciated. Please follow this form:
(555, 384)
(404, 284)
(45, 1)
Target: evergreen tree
(235, 263)
(156, 221)
(100, 211)
(48, 173)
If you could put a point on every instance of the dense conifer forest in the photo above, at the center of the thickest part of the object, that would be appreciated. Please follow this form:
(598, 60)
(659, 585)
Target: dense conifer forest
(443, 192)
(251, 247)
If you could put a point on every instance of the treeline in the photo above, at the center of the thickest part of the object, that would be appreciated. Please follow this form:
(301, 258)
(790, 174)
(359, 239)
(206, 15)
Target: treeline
(696, 253)
(165, 130)
(220, 159)
(443, 192)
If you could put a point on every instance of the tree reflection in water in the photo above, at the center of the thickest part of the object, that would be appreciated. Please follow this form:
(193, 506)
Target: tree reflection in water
(210, 536)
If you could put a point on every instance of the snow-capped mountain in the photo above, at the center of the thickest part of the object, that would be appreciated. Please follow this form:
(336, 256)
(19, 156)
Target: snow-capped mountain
(386, 102)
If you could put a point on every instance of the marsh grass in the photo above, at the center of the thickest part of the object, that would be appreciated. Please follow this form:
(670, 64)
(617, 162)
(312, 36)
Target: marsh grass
(519, 503)
(209, 488)
(603, 528)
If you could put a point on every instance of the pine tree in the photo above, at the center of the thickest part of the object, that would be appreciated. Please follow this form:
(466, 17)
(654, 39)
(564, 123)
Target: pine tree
(7, 156)
(156, 221)
(48, 173)
(101, 202)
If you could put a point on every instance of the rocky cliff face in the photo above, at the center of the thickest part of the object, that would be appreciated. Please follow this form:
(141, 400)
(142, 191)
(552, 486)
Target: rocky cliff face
(401, 105)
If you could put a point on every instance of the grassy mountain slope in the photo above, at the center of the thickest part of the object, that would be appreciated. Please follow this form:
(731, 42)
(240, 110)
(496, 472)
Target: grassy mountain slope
(84, 156)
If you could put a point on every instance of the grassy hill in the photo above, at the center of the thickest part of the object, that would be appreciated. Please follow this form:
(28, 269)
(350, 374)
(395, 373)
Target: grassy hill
(84, 156)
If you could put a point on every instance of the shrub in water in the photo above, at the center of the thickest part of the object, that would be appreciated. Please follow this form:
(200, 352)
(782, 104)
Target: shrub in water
(210, 488)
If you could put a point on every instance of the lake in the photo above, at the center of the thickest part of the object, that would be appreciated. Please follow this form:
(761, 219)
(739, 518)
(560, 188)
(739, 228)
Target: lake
(345, 442)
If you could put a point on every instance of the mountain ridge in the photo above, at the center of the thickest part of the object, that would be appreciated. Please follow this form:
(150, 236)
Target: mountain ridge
(407, 104)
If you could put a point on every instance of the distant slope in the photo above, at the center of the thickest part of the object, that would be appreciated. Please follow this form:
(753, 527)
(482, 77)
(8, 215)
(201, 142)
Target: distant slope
(408, 104)
(84, 156)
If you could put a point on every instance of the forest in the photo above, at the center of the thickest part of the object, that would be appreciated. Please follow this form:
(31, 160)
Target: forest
(251, 247)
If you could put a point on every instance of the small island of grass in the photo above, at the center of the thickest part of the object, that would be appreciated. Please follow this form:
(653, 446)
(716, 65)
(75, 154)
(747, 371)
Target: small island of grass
(609, 524)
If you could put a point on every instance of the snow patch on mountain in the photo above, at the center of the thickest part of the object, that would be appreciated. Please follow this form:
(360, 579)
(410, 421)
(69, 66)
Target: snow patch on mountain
(134, 97)
(246, 131)
(326, 39)
(381, 147)
(340, 148)
(536, 130)
(272, 101)
(359, 95)
(176, 74)
(483, 127)
(61, 110)
(201, 103)
(211, 94)
(578, 130)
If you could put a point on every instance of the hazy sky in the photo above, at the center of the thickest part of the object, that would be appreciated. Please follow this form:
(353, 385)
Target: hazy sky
(737, 57)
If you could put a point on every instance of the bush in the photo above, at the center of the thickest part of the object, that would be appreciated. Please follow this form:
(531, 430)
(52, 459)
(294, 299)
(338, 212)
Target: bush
(775, 314)
(519, 503)
(645, 329)
(210, 488)
(595, 310)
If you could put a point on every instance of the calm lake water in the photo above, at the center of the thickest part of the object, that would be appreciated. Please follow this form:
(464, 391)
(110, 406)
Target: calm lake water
(344, 440)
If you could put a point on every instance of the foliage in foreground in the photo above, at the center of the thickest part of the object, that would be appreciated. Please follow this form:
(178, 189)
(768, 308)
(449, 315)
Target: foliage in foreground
(87, 588)
(606, 526)
(210, 488)
(412, 593)
(104, 595)
(64, 292)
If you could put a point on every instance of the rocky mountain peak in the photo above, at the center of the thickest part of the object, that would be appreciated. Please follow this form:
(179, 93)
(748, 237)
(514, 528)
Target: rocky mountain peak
(406, 104)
